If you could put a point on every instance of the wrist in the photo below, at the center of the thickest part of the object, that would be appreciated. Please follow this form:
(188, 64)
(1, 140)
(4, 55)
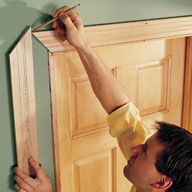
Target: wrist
(84, 47)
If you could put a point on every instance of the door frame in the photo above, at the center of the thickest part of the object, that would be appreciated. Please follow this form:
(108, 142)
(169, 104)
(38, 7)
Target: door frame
(130, 32)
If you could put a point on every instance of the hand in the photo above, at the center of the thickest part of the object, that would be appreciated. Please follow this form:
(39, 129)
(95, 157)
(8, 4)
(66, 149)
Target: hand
(74, 30)
(27, 184)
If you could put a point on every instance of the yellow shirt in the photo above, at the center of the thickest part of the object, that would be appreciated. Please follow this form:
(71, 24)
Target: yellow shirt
(125, 124)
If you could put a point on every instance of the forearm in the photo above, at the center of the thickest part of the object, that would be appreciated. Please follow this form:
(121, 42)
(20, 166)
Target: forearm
(104, 84)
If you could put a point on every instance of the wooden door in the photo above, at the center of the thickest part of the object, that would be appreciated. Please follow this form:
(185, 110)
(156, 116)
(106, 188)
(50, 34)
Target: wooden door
(87, 157)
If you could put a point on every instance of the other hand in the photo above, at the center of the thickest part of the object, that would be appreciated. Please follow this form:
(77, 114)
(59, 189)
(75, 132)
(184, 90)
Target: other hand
(25, 183)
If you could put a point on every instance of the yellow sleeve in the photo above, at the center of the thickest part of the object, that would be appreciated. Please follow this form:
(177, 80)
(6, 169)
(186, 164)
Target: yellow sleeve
(125, 124)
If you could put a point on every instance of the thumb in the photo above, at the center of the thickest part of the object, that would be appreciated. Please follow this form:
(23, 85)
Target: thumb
(67, 21)
(38, 169)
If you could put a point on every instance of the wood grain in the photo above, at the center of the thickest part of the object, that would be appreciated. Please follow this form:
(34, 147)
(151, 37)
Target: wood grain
(187, 100)
(130, 32)
(23, 93)
(103, 38)
(148, 71)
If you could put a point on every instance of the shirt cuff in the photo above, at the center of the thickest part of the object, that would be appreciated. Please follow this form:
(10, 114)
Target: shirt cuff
(122, 119)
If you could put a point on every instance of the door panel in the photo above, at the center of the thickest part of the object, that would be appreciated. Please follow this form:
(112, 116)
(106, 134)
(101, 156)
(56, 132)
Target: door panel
(87, 157)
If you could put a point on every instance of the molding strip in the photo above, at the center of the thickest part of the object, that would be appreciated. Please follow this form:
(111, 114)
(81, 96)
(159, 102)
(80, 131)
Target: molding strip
(187, 98)
(130, 32)
(24, 106)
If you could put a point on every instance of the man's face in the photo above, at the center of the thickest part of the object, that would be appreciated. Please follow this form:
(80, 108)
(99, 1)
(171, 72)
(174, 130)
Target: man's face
(140, 168)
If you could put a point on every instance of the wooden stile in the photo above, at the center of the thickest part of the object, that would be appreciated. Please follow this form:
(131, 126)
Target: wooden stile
(23, 94)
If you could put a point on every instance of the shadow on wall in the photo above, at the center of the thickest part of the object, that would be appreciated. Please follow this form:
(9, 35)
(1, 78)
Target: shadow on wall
(15, 15)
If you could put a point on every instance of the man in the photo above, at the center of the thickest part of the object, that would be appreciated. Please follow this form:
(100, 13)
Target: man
(162, 163)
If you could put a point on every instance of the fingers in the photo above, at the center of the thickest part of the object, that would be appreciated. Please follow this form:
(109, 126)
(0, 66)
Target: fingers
(76, 19)
(24, 177)
(67, 21)
(70, 27)
(38, 169)
(21, 190)
(34, 164)
(22, 185)
(16, 187)
(60, 28)
(61, 9)
(68, 18)
(56, 14)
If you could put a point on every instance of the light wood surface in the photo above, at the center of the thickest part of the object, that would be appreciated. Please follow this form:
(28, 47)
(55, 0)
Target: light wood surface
(187, 100)
(130, 32)
(23, 93)
(151, 74)
(155, 66)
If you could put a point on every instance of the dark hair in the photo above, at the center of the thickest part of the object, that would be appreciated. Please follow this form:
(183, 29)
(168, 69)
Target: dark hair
(175, 161)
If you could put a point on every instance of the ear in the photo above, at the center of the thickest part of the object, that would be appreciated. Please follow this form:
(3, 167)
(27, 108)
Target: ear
(163, 182)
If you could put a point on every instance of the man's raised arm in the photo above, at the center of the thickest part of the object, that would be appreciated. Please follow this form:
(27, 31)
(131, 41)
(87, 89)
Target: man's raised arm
(104, 84)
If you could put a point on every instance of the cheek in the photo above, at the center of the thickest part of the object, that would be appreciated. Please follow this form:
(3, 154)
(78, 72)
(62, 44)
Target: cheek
(136, 171)
(136, 174)
(141, 169)
(144, 171)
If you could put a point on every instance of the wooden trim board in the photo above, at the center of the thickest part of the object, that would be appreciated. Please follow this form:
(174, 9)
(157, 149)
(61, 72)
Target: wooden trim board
(187, 99)
(122, 33)
(23, 93)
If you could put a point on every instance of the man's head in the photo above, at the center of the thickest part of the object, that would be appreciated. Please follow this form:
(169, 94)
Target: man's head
(164, 162)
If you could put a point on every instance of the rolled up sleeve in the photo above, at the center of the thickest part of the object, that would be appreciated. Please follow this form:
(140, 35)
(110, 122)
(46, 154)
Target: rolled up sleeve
(125, 124)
